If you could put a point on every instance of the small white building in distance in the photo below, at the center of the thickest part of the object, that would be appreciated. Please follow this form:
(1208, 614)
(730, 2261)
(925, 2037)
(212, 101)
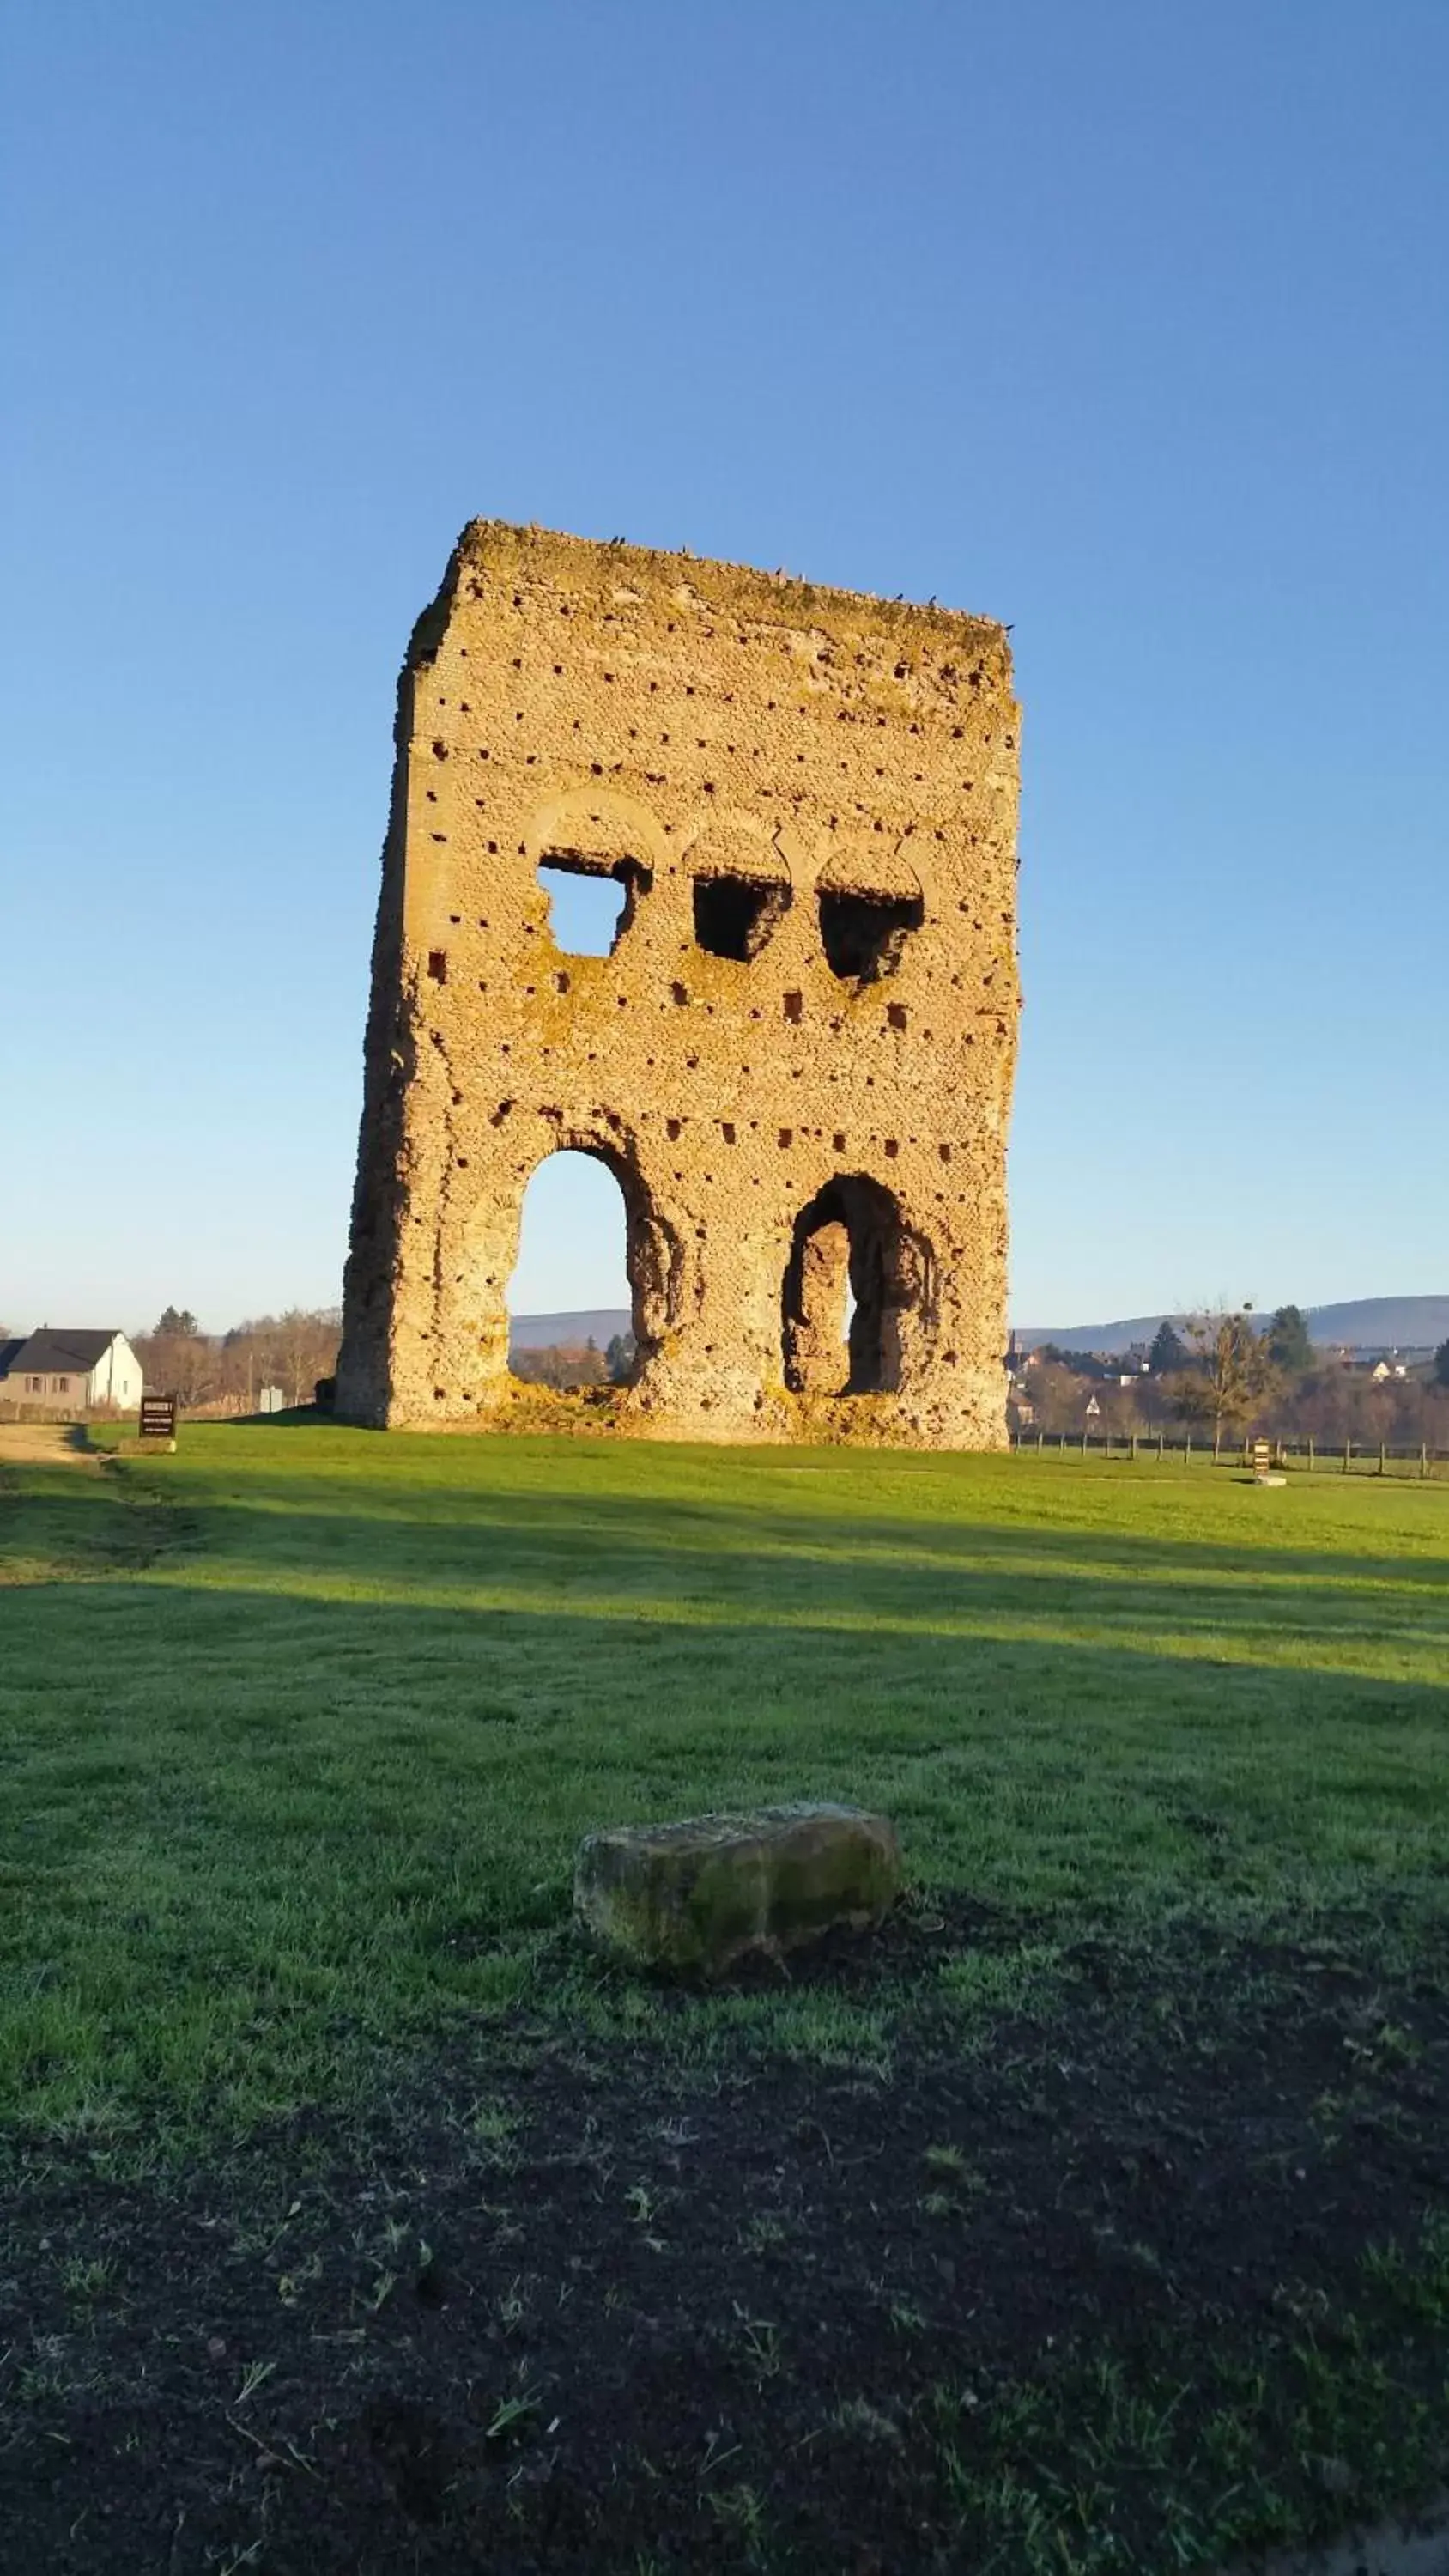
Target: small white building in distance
(60, 1370)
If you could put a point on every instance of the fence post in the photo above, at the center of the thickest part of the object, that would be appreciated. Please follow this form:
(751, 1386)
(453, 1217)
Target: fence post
(1382, 1455)
(1134, 1448)
(1040, 1442)
(1310, 1453)
(1347, 1455)
(1187, 1449)
(1161, 1441)
(1423, 1459)
(1084, 1444)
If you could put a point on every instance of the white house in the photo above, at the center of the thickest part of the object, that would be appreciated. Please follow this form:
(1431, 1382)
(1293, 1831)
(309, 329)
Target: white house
(75, 1371)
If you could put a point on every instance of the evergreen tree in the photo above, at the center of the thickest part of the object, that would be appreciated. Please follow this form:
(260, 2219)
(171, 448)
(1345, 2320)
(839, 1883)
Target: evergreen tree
(1169, 1351)
(1289, 1347)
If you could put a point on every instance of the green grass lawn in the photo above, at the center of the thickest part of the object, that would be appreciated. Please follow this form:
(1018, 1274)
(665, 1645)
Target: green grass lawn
(299, 1728)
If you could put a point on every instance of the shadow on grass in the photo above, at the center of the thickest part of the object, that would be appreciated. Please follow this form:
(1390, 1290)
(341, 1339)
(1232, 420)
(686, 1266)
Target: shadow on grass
(664, 1559)
(258, 1838)
(1045, 1729)
(927, 1494)
(327, 1757)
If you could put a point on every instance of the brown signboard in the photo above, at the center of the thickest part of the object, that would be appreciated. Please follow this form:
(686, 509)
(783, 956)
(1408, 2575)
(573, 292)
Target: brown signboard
(158, 1417)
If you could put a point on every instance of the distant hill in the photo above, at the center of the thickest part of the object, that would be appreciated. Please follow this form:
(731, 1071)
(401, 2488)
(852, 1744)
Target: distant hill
(1372, 1323)
(1400, 1323)
(542, 1332)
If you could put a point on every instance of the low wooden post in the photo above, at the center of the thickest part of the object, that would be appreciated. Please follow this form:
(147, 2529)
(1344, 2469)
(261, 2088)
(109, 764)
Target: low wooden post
(1310, 1453)
(1383, 1453)
(1161, 1442)
(1423, 1458)
(1187, 1449)
(1347, 1455)
(1040, 1442)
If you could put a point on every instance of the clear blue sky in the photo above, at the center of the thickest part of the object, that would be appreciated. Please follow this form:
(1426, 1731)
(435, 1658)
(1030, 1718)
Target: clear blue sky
(1126, 323)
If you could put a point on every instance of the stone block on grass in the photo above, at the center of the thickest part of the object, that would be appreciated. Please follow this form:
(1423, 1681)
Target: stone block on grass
(699, 1895)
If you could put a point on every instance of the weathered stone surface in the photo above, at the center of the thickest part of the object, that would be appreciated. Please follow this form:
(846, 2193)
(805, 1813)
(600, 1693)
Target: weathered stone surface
(796, 1060)
(700, 1894)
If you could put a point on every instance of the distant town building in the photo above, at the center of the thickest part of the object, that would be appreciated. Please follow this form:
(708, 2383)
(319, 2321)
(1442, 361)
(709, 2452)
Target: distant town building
(1372, 1360)
(72, 1370)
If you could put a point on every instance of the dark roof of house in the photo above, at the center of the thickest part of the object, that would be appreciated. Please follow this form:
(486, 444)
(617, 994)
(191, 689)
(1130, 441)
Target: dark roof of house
(56, 1347)
(9, 1350)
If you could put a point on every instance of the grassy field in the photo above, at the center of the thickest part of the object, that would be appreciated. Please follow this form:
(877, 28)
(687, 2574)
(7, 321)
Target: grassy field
(298, 1729)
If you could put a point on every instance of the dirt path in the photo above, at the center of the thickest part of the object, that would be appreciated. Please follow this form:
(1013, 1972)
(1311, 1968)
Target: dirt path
(45, 1444)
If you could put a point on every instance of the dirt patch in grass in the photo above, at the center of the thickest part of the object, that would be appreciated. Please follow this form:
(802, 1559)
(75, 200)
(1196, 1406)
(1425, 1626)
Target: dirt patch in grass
(77, 1520)
(44, 1444)
(1149, 2274)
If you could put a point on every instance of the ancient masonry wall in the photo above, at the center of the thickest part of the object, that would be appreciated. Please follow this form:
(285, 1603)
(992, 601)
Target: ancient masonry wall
(798, 1057)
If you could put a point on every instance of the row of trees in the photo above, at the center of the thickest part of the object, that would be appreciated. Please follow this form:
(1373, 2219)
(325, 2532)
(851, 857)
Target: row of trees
(1231, 1376)
(225, 1372)
(1284, 1340)
(1225, 1372)
(571, 1365)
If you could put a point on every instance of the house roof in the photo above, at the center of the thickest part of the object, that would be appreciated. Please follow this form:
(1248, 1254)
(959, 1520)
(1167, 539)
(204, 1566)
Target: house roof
(59, 1348)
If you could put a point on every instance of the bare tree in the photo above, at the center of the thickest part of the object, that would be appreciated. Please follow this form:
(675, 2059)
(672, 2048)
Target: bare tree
(307, 1343)
(1234, 1376)
(291, 1350)
(563, 1365)
(181, 1364)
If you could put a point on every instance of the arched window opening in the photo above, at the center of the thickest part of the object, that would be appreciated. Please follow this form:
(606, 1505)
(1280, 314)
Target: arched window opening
(734, 915)
(591, 901)
(568, 1299)
(852, 1274)
(863, 934)
(741, 886)
(597, 1281)
(870, 901)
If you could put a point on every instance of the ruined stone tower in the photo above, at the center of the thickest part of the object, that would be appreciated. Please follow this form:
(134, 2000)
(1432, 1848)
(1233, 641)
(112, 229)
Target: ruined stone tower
(798, 1057)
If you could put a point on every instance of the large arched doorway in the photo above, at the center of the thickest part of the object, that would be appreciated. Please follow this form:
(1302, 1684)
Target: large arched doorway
(596, 1272)
(854, 1272)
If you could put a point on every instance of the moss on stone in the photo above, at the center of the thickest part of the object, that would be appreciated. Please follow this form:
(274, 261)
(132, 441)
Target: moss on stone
(698, 1895)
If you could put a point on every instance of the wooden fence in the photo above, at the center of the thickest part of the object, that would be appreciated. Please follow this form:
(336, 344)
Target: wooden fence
(1337, 1458)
